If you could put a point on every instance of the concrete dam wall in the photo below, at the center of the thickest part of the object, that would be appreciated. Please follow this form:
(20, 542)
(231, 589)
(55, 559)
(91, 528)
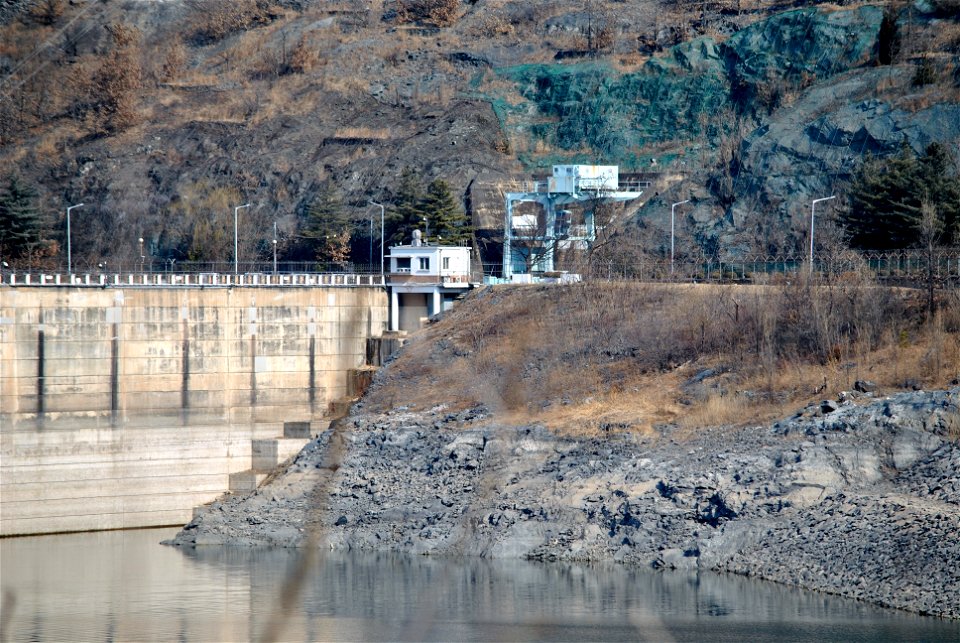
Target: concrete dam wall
(127, 407)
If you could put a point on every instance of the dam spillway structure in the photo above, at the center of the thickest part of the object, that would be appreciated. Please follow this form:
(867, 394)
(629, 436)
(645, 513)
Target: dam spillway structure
(530, 241)
(128, 400)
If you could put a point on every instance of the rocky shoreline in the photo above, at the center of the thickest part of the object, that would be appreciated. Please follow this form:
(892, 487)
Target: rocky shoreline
(856, 499)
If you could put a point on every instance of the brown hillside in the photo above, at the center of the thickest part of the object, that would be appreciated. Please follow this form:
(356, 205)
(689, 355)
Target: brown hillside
(627, 356)
(161, 116)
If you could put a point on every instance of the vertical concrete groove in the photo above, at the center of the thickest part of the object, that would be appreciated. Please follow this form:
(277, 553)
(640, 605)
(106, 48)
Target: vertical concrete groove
(312, 390)
(185, 370)
(253, 370)
(41, 384)
(114, 371)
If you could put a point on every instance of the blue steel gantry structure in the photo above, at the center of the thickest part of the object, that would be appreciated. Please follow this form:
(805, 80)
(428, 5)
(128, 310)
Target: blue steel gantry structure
(530, 241)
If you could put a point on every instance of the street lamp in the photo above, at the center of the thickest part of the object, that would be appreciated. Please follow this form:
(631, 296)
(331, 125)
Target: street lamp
(813, 204)
(673, 209)
(142, 256)
(69, 257)
(381, 233)
(236, 245)
(274, 247)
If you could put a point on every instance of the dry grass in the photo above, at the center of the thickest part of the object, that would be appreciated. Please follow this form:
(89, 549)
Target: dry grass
(600, 357)
(378, 133)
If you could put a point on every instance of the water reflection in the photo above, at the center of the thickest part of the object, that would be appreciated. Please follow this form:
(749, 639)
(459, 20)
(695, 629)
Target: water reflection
(124, 586)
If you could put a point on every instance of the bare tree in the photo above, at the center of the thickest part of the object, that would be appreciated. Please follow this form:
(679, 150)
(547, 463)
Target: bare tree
(929, 227)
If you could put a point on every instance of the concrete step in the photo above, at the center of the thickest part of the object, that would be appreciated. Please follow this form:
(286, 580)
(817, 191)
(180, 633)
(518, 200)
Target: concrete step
(88, 509)
(173, 481)
(267, 454)
(296, 430)
(246, 481)
(22, 472)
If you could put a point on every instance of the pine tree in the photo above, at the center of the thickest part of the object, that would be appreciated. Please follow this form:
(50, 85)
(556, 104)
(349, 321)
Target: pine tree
(446, 219)
(887, 197)
(406, 214)
(19, 219)
(938, 172)
(327, 226)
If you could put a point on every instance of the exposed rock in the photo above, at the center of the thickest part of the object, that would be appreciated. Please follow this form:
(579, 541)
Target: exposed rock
(863, 501)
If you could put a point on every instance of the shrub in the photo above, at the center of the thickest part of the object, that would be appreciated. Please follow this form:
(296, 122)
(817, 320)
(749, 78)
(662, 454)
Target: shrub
(47, 12)
(303, 58)
(437, 13)
(174, 62)
(114, 85)
(214, 20)
(925, 74)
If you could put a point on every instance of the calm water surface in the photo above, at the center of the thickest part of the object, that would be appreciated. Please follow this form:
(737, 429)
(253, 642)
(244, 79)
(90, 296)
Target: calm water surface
(116, 586)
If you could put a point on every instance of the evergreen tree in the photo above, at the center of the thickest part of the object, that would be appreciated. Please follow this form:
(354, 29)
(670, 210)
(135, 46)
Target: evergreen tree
(327, 227)
(887, 197)
(19, 218)
(405, 214)
(445, 216)
(888, 38)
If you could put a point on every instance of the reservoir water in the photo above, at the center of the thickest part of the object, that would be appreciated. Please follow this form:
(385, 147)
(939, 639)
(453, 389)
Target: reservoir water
(125, 586)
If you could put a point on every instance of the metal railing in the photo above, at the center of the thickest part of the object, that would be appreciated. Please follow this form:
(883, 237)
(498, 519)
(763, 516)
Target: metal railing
(191, 280)
(542, 186)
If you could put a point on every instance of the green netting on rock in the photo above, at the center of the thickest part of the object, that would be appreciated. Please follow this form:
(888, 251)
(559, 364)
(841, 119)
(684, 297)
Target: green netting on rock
(595, 107)
(686, 94)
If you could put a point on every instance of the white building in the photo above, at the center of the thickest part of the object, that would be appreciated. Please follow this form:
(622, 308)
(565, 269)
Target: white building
(425, 280)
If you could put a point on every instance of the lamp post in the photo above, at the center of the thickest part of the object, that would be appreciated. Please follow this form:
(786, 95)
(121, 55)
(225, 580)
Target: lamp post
(673, 209)
(813, 204)
(236, 245)
(142, 256)
(274, 247)
(381, 232)
(69, 256)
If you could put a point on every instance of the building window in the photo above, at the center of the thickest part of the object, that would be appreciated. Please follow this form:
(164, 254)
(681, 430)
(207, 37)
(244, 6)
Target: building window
(446, 263)
(403, 264)
(424, 263)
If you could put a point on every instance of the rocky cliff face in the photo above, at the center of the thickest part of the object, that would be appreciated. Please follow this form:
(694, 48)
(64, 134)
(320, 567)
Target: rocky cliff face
(861, 500)
(777, 114)
(758, 115)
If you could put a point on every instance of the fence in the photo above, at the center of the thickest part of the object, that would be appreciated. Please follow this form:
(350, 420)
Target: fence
(904, 265)
(167, 266)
